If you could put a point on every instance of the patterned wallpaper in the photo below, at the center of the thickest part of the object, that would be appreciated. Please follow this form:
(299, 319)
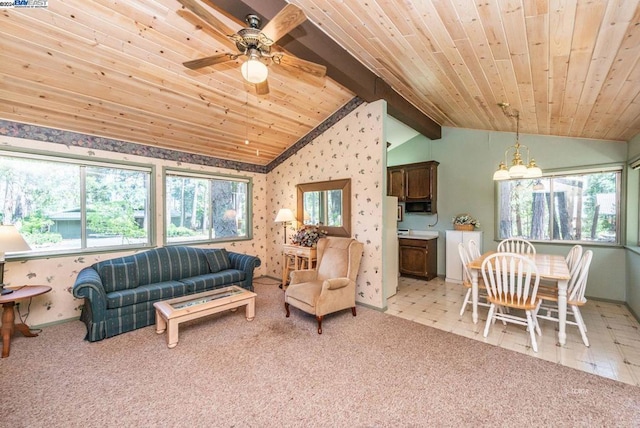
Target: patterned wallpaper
(352, 148)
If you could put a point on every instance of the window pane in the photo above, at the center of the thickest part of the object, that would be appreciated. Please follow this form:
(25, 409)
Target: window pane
(334, 208)
(187, 209)
(42, 199)
(116, 201)
(524, 209)
(312, 208)
(584, 207)
(229, 204)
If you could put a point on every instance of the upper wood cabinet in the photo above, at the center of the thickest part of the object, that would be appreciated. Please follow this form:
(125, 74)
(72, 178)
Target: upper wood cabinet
(414, 182)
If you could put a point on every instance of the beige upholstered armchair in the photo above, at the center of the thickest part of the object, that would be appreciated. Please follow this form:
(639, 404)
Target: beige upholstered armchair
(331, 286)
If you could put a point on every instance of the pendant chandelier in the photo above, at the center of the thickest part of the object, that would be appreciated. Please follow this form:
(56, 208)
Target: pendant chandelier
(519, 169)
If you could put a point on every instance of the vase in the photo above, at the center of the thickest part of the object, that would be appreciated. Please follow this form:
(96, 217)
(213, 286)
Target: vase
(465, 227)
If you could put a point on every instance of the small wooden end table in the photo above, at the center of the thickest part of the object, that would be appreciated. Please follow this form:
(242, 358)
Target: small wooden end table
(170, 313)
(296, 257)
(8, 302)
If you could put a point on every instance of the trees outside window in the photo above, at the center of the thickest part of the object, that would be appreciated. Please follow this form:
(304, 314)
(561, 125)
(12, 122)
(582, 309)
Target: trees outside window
(205, 208)
(67, 205)
(578, 207)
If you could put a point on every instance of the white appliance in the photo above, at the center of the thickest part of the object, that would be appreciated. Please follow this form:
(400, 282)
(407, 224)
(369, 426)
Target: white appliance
(453, 263)
(390, 248)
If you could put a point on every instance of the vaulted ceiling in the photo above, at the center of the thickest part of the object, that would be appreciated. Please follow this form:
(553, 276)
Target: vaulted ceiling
(115, 69)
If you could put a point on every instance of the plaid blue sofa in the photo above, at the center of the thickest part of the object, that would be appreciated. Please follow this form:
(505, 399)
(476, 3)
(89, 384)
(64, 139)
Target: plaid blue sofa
(119, 293)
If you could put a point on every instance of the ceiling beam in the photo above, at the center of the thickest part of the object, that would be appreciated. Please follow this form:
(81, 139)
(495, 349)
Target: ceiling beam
(308, 42)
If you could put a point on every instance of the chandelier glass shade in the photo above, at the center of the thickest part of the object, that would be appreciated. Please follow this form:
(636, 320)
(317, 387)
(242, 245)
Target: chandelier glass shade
(519, 169)
(253, 70)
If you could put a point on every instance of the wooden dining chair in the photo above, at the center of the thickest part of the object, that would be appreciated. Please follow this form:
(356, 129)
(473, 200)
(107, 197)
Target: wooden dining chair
(511, 281)
(575, 297)
(472, 248)
(466, 258)
(573, 257)
(516, 245)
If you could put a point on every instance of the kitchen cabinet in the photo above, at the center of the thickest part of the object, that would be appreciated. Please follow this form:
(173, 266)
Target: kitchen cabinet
(414, 182)
(418, 257)
(452, 261)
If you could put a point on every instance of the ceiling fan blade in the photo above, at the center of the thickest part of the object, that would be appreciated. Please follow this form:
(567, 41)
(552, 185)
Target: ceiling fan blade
(303, 65)
(262, 88)
(286, 20)
(209, 60)
(206, 16)
(200, 24)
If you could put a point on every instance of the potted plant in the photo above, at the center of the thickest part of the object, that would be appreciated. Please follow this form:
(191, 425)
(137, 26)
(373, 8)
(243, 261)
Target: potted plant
(308, 236)
(465, 222)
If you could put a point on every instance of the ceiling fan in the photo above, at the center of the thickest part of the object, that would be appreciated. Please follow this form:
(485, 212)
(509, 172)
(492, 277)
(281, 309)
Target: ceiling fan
(256, 44)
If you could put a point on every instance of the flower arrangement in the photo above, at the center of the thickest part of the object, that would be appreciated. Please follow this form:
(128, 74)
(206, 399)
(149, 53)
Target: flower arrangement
(465, 222)
(308, 236)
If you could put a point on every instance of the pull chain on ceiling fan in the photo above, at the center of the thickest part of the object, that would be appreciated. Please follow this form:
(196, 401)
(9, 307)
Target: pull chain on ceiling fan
(255, 44)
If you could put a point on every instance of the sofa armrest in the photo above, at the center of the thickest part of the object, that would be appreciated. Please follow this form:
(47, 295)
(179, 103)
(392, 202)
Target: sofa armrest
(304, 275)
(245, 263)
(89, 286)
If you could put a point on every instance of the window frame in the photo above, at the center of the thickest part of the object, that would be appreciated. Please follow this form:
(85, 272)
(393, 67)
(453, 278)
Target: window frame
(564, 172)
(83, 162)
(210, 177)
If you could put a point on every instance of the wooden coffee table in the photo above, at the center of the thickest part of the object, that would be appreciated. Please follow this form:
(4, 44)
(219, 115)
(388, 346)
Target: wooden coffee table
(170, 313)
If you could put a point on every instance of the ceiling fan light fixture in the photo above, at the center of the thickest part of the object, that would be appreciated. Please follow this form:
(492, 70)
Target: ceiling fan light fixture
(253, 70)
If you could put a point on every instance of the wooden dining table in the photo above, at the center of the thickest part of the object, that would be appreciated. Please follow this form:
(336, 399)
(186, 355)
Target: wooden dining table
(550, 267)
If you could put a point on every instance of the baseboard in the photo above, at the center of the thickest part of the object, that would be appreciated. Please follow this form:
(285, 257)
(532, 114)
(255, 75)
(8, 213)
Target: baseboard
(50, 324)
(633, 314)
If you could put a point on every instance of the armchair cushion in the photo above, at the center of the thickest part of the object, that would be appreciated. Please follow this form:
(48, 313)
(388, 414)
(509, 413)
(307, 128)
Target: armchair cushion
(336, 259)
(306, 292)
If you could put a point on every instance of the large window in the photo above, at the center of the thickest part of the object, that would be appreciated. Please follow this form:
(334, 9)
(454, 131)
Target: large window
(66, 205)
(581, 207)
(205, 207)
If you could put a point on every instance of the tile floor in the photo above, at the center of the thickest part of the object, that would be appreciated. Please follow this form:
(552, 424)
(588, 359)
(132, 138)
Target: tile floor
(614, 334)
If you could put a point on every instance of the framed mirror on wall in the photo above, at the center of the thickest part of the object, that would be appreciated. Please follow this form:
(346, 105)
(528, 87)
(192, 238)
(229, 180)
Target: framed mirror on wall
(326, 204)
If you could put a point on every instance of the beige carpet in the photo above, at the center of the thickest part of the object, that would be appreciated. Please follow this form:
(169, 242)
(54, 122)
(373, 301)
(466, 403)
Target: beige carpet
(374, 370)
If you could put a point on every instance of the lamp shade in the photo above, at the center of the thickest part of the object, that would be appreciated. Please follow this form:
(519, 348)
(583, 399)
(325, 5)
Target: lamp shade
(11, 240)
(284, 215)
(254, 71)
(501, 174)
(517, 171)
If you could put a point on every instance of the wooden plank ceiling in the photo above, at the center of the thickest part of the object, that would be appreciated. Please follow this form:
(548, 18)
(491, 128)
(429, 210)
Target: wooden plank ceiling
(114, 69)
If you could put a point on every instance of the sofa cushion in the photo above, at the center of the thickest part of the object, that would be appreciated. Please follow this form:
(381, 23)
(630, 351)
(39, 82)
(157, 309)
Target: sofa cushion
(218, 260)
(146, 293)
(170, 264)
(210, 281)
(119, 276)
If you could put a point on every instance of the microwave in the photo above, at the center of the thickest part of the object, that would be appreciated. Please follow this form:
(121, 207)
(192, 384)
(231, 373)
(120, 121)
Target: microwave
(423, 206)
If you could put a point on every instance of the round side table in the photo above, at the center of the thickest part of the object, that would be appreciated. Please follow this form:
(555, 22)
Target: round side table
(8, 302)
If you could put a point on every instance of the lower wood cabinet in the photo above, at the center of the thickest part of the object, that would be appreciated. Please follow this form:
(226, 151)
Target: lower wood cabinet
(418, 257)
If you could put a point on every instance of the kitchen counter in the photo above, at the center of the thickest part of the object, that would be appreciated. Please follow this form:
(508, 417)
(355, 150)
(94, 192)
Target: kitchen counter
(418, 234)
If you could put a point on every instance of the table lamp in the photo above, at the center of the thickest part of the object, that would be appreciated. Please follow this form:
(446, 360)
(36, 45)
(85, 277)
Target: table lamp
(10, 241)
(284, 216)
